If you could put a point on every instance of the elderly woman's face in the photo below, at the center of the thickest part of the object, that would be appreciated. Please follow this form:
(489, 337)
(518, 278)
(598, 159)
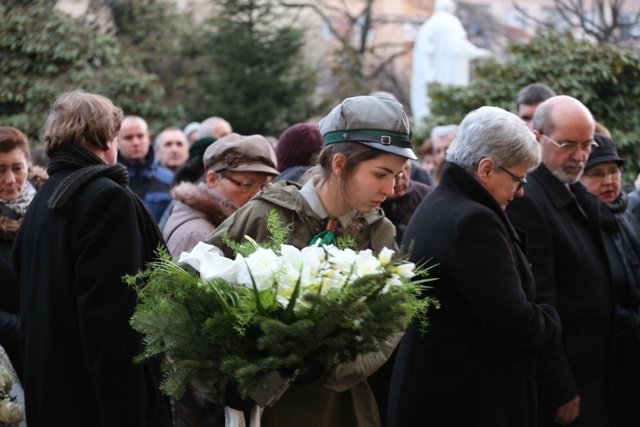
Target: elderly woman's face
(603, 180)
(504, 183)
(13, 174)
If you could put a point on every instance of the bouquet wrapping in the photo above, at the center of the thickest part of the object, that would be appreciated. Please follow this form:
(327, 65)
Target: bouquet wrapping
(11, 410)
(271, 314)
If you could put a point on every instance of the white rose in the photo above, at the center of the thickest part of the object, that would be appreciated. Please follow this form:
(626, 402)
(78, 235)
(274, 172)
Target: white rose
(10, 412)
(210, 263)
(6, 382)
(366, 263)
(261, 267)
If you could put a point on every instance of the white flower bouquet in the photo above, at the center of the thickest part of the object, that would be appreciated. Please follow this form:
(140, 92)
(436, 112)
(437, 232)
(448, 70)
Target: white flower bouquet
(272, 309)
(11, 411)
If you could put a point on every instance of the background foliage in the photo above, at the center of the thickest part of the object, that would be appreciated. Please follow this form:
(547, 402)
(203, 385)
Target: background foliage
(604, 77)
(258, 80)
(44, 52)
(246, 65)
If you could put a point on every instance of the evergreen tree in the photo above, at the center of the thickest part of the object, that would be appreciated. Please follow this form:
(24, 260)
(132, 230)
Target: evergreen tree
(44, 52)
(258, 81)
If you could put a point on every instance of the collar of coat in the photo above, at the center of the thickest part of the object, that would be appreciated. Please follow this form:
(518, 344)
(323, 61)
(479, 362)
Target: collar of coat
(561, 197)
(210, 203)
(286, 194)
(454, 176)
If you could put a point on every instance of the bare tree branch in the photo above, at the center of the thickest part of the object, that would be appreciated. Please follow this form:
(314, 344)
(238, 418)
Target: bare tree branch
(602, 20)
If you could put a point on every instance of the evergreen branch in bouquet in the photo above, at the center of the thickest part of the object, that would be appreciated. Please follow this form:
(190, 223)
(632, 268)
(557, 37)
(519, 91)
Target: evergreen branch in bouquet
(278, 236)
(179, 317)
(288, 314)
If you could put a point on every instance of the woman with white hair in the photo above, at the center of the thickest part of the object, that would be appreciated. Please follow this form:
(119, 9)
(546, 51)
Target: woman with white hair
(475, 364)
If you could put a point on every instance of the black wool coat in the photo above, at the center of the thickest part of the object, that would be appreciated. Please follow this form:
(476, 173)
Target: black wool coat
(475, 364)
(76, 341)
(568, 259)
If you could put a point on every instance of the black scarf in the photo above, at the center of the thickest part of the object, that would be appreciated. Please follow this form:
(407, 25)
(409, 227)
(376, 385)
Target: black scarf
(88, 167)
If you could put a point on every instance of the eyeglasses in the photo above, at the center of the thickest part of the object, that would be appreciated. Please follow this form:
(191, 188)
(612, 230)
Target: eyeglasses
(521, 181)
(248, 187)
(600, 175)
(587, 147)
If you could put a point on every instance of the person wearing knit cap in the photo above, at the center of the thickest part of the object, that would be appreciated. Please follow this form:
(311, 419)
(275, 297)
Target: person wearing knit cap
(366, 142)
(621, 233)
(296, 149)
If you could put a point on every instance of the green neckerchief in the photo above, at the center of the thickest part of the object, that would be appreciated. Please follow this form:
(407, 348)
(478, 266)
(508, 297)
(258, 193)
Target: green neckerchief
(328, 235)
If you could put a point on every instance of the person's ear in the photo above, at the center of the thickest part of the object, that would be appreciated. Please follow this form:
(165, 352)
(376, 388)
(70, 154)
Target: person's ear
(212, 179)
(338, 163)
(537, 134)
(485, 169)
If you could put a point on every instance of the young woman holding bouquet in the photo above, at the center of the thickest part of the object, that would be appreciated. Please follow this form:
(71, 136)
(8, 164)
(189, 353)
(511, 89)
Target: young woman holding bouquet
(366, 143)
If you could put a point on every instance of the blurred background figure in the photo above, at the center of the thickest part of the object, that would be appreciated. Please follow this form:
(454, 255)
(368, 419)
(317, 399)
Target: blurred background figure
(441, 138)
(528, 99)
(147, 178)
(191, 131)
(297, 149)
(39, 157)
(172, 149)
(18, 184)
(407, 195)
(216, 127)
(621, 231)
(209, 131)
(427, 157)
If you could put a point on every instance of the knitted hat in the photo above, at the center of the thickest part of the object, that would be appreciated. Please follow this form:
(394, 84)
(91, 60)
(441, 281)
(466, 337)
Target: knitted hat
(239, 153)
(197, 149)
(377, 122)
(297, 145)
(605, 152)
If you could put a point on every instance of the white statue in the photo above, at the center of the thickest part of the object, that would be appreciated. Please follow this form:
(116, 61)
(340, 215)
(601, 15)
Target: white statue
(441, 54)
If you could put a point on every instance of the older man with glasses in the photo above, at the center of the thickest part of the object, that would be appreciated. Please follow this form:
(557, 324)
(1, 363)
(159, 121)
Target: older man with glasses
(567, 255)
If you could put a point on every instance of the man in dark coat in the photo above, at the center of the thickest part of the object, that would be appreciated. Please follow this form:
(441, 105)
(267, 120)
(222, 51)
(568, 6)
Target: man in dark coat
(149, 180)
(83, 231)
(568, 261)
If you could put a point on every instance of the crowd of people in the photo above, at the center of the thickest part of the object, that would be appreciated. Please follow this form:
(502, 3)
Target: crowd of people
(531, 236)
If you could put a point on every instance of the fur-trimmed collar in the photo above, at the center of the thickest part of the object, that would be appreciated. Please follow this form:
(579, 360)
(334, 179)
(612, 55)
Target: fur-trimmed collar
(199, 197)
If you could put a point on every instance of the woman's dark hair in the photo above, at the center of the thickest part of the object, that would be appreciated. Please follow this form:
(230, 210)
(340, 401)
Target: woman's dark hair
(11, 138)
(355, 153)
